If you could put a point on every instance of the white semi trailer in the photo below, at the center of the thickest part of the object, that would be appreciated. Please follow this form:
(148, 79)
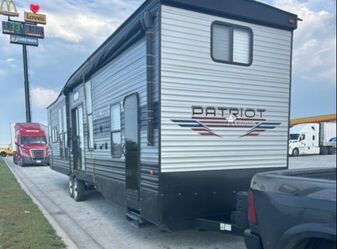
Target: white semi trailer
(313, 138)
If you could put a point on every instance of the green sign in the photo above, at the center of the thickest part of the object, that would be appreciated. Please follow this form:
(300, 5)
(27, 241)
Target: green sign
(23, 29)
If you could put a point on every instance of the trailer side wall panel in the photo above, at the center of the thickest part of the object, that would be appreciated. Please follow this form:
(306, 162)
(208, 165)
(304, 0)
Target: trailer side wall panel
(191, 78)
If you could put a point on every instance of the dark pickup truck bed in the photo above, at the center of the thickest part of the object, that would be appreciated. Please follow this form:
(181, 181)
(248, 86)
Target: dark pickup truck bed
(293, 209)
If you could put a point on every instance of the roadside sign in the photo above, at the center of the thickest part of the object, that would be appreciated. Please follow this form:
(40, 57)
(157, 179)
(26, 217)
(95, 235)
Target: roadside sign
(23, 29)
(36, 18)
(8, 8)
(30, 41)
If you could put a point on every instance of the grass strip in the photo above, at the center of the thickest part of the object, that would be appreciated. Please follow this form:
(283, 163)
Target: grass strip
(22, 224)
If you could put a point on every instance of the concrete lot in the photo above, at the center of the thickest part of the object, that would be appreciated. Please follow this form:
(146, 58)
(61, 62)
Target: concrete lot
(97, 223)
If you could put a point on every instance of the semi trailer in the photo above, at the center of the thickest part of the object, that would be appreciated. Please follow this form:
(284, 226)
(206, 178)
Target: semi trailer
(176, 111)
(313, 138)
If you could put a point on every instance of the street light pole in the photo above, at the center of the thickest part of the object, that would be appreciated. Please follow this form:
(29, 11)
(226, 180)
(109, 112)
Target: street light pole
(26, 82)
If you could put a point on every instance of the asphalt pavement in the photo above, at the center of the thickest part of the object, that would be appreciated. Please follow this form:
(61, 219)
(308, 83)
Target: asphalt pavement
(98, 223)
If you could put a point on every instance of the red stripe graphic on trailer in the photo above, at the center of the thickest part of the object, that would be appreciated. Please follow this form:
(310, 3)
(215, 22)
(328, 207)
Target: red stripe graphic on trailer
(202, 125)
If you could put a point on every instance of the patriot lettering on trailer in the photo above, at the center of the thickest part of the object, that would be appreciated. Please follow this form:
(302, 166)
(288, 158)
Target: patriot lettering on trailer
(176, 111)
(204, 120)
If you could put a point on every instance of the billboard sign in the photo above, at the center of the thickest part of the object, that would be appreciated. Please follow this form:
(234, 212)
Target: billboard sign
(35, 18)
(23, 29)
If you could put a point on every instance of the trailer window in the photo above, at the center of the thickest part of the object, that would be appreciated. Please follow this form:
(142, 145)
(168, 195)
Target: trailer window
(60, 138)
(55, 135)
(49, 133)
(65, 132)
(116, 135)
(88, 101)
(231, 44)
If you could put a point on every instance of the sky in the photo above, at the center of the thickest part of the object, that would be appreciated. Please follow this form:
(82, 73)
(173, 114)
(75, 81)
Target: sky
(76, 28)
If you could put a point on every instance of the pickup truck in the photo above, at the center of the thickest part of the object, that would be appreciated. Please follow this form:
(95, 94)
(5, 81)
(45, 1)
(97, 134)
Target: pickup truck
(292, 209)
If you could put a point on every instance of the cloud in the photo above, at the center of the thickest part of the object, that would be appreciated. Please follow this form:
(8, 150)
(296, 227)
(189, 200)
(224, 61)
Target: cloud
(91, 21)
(314, 42)
(42, 97)
(76, 28)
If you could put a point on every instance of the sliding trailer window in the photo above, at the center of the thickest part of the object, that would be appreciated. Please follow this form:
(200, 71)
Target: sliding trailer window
(232, 44)
(88, 101)
(116, 130)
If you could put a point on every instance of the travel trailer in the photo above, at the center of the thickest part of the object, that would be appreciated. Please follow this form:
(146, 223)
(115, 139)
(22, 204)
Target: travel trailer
(176, 111)
(313, 138)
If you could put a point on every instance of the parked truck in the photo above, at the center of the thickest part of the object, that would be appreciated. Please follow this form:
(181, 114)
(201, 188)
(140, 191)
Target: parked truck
(293, 209)
(313, 138)
(31, 146)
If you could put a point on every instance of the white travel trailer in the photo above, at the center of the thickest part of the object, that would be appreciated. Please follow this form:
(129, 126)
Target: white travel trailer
(176, 111)
(313, 138)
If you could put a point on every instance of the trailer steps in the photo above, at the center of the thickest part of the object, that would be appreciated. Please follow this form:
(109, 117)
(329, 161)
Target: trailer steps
(134, 218)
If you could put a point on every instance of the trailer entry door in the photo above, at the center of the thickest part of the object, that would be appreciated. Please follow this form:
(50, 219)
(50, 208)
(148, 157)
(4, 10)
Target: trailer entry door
(78, 138)
(131, 120)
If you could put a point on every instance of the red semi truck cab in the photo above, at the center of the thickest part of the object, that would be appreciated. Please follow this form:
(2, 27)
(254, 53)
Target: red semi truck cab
(31, 145)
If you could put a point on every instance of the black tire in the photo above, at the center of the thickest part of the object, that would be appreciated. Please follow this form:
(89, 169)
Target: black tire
(240, 219)
(332, 150)
(324, 150)
(79, 190)
(242, 202)
(21, 162)
(71, 186)
(3, 154)
(316, 244)
(296, 152)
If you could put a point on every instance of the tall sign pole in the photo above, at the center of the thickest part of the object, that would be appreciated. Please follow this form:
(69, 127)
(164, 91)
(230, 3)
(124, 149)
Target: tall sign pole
(26, 34)
(26, 83)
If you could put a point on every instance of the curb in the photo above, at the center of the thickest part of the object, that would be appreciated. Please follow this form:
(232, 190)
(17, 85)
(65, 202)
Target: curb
(59, 231)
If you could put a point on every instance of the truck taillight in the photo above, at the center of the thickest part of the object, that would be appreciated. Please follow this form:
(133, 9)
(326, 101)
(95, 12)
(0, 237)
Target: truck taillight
(251, 208)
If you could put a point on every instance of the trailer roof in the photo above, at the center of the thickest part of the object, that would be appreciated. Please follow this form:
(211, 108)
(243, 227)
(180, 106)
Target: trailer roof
(244, 10)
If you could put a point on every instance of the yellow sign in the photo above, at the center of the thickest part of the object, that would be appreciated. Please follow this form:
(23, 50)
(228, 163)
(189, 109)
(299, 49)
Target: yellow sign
(8, 8)
(36, 18)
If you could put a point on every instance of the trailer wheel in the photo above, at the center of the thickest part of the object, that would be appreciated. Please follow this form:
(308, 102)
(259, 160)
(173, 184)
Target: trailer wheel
(296, 152)
(71, 186)
(324, 150)
(79, 190)
(3, 154)
(332, 150)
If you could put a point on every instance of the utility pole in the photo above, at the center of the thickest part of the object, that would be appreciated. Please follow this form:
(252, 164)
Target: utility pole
(26, 82)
